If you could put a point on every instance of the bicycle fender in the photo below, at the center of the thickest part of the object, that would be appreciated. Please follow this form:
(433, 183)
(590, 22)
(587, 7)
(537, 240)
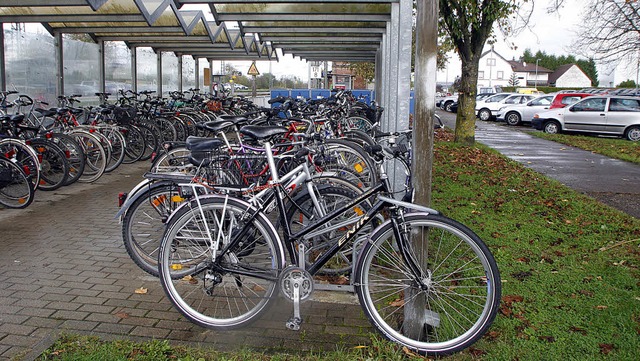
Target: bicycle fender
(138, 191)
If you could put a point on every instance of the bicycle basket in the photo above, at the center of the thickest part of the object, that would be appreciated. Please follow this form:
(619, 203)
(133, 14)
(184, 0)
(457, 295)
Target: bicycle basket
(124, 114)
(222, 169)
(214, 105)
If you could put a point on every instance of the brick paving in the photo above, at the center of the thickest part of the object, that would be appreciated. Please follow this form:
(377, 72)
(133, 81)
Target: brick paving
(63, 268)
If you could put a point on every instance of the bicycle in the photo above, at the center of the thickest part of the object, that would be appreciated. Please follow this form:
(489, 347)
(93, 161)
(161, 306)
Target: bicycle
(222, 263)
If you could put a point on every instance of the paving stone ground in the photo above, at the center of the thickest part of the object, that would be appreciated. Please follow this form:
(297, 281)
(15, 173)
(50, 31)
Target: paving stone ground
(63, 268)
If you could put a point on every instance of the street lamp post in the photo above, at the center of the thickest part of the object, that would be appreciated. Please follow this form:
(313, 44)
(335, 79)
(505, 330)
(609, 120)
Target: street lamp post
(536, 83)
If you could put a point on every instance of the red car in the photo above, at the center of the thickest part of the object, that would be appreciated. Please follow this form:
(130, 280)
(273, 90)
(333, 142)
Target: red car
(561, 100)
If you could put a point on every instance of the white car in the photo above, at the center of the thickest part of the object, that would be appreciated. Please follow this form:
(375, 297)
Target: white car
(488, 107)
(515, 114)
(612, 115)
(445, 104)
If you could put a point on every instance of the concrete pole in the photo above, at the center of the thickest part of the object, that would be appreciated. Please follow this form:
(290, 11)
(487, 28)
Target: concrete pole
(425, 88)
(416, 319)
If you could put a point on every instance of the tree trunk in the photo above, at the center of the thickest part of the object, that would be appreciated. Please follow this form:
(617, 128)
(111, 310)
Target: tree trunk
(466, 119)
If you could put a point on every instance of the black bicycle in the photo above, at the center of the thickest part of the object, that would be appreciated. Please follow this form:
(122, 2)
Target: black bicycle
(425, 281)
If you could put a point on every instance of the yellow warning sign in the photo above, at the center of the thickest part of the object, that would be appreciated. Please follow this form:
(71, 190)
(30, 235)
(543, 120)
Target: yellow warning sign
(253, 70)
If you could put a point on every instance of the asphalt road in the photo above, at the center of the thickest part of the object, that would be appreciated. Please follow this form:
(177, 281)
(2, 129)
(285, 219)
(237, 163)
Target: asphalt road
(613, 182)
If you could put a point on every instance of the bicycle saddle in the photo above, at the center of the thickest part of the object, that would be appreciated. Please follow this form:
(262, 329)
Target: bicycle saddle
(203, 144)
(261, 132)
(216, 125)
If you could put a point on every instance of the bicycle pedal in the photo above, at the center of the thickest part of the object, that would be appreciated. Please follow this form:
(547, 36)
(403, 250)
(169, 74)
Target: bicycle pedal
(294, 323)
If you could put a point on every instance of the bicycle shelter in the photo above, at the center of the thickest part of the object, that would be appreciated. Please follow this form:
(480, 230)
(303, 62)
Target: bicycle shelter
(331, 30)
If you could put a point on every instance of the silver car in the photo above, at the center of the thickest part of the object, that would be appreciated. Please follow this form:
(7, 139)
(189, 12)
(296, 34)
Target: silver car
(514, 114)
(614, 115)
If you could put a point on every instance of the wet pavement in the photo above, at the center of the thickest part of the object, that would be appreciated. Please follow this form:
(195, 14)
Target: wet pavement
(612, 182)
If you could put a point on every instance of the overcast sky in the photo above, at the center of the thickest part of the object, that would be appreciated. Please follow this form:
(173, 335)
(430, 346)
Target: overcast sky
(551, 33)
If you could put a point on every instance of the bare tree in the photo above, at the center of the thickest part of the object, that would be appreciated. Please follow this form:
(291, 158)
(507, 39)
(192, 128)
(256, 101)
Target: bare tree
(610, 31)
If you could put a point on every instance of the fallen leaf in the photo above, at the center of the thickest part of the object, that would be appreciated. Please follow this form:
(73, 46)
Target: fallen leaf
(605, 348)
(408, 352)
(602, 307)
(122, 314)
(578, 330)
(141, 290)
(397, 303)
(547, 338)
(258, 288)
(509, 299)
(359, 347)
(477, 352)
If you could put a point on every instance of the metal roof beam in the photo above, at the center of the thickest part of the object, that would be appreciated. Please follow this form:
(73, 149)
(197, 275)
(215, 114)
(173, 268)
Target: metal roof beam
(183, 2)
(128, 30)
(71, 18)
(312, 29)
(363, 39)
(41, 3)
(302, 17)
(156, 38)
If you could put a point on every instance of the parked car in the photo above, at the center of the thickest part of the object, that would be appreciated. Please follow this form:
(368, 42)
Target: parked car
(445, 103)
(613, 115)
(487, 108)
(563, 99)
(514, 114)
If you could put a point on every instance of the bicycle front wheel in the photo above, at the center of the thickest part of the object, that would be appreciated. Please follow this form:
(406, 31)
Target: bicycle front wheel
(16, 189)
(220, 292)
(449, 304)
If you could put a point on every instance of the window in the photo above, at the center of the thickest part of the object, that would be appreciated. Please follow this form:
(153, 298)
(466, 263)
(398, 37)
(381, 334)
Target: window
(541, 101)
(624, 105)
(491, 62)
(481, 75)
(570, 100)
(512, 100)
(500, 75)
(591, 105)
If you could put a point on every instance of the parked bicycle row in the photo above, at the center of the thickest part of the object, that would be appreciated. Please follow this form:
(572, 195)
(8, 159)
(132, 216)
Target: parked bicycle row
(50, 147)
(264, 204)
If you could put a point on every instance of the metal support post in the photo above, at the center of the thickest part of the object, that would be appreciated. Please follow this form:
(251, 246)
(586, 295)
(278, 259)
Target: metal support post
(179, 72)
(159, 73)
(57, 43)
(3, 68)
(197, 73)
(134, 69)
(101, 66)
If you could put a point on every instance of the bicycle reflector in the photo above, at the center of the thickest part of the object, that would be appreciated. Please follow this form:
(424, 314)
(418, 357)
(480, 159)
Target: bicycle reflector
(122, 196)
(185, 192)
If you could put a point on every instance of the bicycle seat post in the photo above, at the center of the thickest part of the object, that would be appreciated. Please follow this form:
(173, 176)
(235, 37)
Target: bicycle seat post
(275, 178)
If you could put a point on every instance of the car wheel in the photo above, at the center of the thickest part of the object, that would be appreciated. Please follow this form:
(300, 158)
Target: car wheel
(484, 114)
(552, 127)
(513, 118)
(633, 133)
(447, 106)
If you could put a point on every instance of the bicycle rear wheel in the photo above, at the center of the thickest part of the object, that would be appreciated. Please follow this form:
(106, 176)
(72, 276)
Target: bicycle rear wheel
(16, 188)
(54, 167)
(449, 305)
(233, 290)
(94, 153)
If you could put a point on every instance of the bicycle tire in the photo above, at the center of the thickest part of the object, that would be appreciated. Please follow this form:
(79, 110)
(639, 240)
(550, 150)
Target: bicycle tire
(466, 277)
(347, 159)
(18, 151)
(54, 168)
(74, 153)
(143, 225)
(236, 299)
(136, 144)
(150, 141)
(94, 153)
(175, 160)
(16, 189)
(118, 145)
